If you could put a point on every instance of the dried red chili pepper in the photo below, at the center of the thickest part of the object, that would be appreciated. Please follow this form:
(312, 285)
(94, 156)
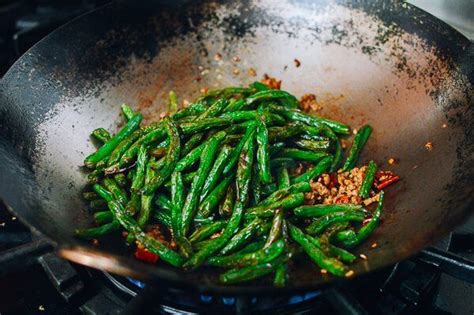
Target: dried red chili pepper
(144, 255)
(387, 182)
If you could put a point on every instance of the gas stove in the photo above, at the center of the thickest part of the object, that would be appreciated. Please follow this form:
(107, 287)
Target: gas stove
(439, 280)
(34, 280)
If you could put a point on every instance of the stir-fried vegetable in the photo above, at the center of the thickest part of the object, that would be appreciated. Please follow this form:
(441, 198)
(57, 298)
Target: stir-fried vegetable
(218, 180)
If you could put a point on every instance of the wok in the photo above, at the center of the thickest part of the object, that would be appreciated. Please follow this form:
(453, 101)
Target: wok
(384, 63)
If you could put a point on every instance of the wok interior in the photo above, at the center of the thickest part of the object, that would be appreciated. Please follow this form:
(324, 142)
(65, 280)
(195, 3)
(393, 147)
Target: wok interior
(358, 76)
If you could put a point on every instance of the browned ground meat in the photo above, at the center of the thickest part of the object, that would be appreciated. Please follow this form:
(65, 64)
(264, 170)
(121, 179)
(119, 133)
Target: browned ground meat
(156, 232)
(342, 187)
(308, 103)
(271, 82)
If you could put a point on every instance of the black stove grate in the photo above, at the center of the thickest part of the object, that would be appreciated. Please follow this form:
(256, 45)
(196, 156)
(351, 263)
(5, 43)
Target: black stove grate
(410, 287)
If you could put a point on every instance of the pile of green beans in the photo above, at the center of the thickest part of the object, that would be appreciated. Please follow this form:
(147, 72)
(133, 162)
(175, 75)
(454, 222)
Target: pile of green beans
(218, 176)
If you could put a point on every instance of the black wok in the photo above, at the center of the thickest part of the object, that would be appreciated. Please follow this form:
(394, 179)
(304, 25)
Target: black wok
(389, 64)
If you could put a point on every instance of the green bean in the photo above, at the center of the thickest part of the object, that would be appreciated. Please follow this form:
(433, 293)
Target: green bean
(119, 194)
(368, 180)
(215, 109)
(127, 111)
(283, 178)
(288, 202)
(192, 143)
(269, 189)
(101, 135)
(263, 156)
(276, 147)
(252, 247)
(274, 119)
(187, 179)
(345, 237)
(282, 162)
(103, 217)
(330, 249)
(164, 203)
(244, 172)
(177, 199)
(283, 192)
(337, 157)
(121, 179)
(332, 265)
(104, 193)
(152, 245)
(171, 159)
(134, 204)
(369, 228)
(104, 229)
(314, 172)
(319, 210)
(98, 174)
(173, 103)
(157, 152)
(259, 86)
(154, 134)
(312, 120)
(225, 93)
(210, 203)
(176, 206)
(281, 275)
(302, 155)
(192, 110)
(226, 206)
(207, 157)
(275, 230)
(243, 236)
(98, 231)
(108, 147)
(89, 195)
(191, 158)
(261, 256)
(266, 95)
(140, 167)
(316, 133)
(98, 204)
(341, 254)
(256, 194)
(164, 218)
(216, 171)
(235, 105)
(130, 174)
(121, 148)
(320, 224)
(237, 275)
(321, 145)
(240, 116)
(206, 231)
(146, 200)
(189, 128)
(232, 139)
(234, 156)
(276, 134)
(359, 141)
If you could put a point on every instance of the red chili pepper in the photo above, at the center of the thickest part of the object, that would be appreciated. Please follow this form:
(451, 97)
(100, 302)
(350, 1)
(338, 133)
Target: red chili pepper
(144, 255)
(387, 182)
